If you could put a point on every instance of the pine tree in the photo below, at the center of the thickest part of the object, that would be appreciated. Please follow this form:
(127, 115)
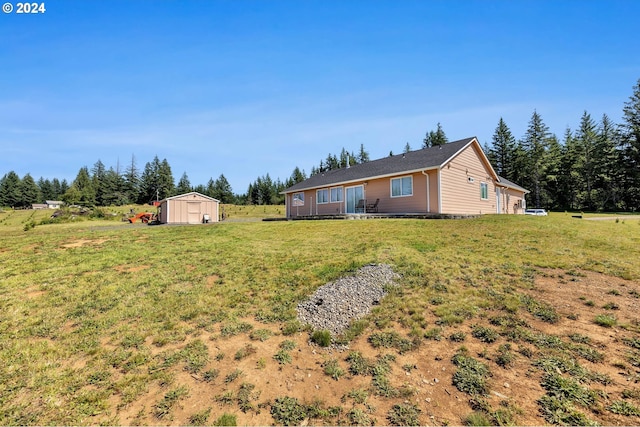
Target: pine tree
(535, 143)
(10, 190)
(47, 189)
(29, 191)
(630, 147)
(585, 140)
(166, 183)
(502, 151)
(407, 148)
(434, 139)
(97, 180)
(132, 180)
(607, 170)
(222, 190)
(184, 185)
(81, 190)
(363, 155)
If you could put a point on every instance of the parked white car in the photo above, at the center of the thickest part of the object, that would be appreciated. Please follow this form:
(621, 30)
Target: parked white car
(537, 212)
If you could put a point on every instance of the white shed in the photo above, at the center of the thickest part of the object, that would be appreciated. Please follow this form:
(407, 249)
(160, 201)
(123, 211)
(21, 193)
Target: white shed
(189, 208)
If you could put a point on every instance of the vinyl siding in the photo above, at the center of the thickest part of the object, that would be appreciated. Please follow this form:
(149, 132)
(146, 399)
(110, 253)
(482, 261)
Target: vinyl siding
(188, 209)
(459, 195)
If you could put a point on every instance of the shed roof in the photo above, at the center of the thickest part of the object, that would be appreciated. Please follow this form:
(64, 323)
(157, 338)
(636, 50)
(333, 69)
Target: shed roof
(413, 161)
(180, 196)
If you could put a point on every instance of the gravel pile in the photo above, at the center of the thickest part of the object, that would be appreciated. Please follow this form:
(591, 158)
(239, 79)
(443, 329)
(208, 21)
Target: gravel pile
(334, 305)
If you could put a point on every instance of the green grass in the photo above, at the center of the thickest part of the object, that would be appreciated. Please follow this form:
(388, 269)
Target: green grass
(95, 311)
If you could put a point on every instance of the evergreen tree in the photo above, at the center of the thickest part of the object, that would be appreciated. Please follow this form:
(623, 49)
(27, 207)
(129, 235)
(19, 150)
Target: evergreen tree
(97, 180)
(210, 188)
(407, 148)
(10, 190)
(81, 190)
(115, 191)
(166, 184)
(363, 155)
(607, 170)
(132, 181)
(29, 191)
(47, 190)
(535, 143)
(502, 151)
(433, 139)
(184, 186)
(630, 150)
(222, 190)
(296, 176)
(585, 139)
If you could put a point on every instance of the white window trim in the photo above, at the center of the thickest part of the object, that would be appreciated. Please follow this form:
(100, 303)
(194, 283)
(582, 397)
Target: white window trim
(487, 185)
(401, 195)
(318, 198)
(341, 195)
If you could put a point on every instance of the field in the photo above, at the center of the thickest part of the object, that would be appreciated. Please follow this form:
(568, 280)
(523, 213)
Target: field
(500, 320)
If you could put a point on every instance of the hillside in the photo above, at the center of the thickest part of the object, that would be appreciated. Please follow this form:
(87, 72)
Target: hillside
(499, 320)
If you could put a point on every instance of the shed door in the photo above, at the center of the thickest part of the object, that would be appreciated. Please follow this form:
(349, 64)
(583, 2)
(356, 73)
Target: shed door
(193, 212)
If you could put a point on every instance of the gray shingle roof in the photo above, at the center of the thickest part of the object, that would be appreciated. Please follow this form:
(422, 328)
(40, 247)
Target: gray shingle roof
(426, 158)
(507, 183)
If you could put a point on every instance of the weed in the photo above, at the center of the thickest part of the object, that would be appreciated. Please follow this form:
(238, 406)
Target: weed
(471, 375)
(559, 412)
(589, 303)
(232, 376)
(391, 340)
(622, 407)
(245, 351)
(292, 327)
(611, 306)
(245, 396)
(541, 310)
(605, 320)
(357, 417)
(457, 336)
(162, 410)
(260, 334)
(631, 393)
(404, 415)
(332, 368)
(283, 357)
(195, 355)
(235, 329)
(358, 395)
(632, 342)
(613, 292)
(287, 345)
(505, 356)
(322, 338)
(477, 418)
(588, 353)
(200, 418)
(567, 389)
(434, 334)
(261, 363)
(210, 375)
(579, 338)
(359, 365)
(484, 334)
(288, 411)
(226, 420)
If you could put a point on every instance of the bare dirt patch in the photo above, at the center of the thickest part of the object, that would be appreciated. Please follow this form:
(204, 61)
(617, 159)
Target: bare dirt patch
(83, 242)
(427, 370)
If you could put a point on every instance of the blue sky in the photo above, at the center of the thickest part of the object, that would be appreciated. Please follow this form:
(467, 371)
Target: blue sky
(247, 88)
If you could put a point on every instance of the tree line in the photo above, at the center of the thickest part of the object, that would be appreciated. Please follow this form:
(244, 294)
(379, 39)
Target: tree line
(594, 167)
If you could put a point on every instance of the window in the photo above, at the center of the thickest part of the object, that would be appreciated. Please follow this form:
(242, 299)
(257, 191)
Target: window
(402, 186)
(336, 194)
(484, 191)
(322, 196)
(298, 199)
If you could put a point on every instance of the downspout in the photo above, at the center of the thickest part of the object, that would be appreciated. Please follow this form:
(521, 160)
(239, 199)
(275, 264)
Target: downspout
(428, 192)
(439, 191)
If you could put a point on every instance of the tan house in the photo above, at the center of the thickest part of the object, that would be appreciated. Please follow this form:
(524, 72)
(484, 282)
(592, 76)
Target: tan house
(454, 178)
(189, 208)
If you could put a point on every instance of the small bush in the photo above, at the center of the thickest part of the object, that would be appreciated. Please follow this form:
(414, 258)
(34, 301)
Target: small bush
(292, 327)
(471, 375)
(333, 369)
(226, 420)
(283, 357)
(404, 415)
(505, 356)
(322, 338)
(260, 334)
(457, 336)
(605, 320)
(611, 306)
(622, 407)
(288, 411)
(477, 418)
(484, 334)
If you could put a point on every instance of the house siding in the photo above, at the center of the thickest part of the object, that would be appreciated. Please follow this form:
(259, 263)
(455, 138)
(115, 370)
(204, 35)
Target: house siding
(512, 201)
(459, 194)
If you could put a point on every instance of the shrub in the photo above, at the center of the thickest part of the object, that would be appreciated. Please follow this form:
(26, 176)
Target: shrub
(484, 334)
(333, 369)
(605, 320)
(322, 338)
(457, 336)
(471, 375)
(226, 420)
(288, 411)
(404, 415)
(621, 407)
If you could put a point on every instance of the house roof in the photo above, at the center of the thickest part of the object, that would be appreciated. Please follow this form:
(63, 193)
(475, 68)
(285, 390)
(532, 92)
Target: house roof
(413, 161)
(506, 183)
(180, 196)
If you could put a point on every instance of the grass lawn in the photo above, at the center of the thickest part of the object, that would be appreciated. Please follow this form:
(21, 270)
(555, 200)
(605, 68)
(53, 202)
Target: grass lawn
(103, 322)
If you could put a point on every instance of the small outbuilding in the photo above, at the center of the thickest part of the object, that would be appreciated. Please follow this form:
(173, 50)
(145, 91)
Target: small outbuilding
(189, 208)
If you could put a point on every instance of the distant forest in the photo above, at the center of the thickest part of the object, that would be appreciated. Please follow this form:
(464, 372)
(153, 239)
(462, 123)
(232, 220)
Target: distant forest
(595, 167)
